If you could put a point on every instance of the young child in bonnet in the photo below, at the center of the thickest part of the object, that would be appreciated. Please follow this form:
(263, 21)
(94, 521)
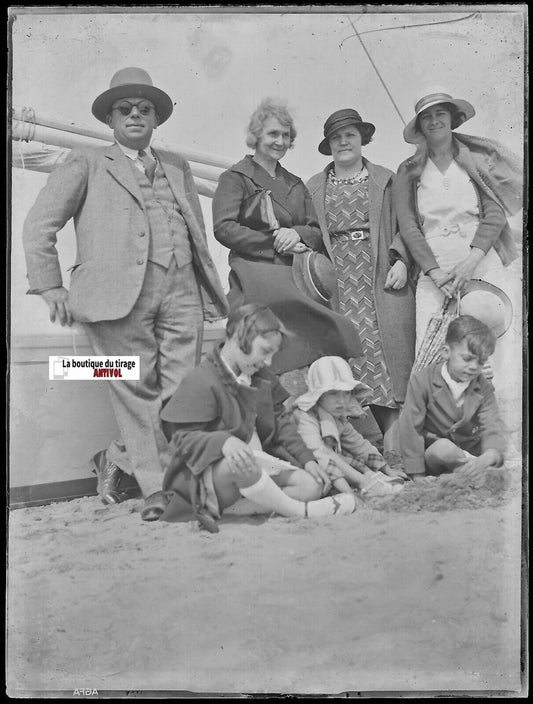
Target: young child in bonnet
(322, 416)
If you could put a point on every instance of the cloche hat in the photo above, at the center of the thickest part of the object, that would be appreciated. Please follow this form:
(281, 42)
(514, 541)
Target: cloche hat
(132, 82)
(343, 118)
(431, 97)
(487, 303)
(329, 374)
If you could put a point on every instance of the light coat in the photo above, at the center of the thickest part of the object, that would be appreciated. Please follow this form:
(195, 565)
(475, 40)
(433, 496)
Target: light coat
(97, 188)
(395, 310)
(493, 229)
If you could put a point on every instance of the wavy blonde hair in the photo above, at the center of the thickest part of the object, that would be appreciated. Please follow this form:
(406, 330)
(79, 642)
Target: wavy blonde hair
(269, 107)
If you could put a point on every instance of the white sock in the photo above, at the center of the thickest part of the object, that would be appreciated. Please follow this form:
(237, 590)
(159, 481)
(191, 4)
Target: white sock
(267, 493)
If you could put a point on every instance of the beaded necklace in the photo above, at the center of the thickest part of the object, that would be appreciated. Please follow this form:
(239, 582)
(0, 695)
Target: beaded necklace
(358, 178)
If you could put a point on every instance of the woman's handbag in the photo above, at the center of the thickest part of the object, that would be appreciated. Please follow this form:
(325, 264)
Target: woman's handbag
(257, 211)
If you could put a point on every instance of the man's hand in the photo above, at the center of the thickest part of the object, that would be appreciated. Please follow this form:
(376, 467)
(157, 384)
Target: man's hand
(240, 457)
(474, 467)
(319, 475)
(57, 299)
(397, 276)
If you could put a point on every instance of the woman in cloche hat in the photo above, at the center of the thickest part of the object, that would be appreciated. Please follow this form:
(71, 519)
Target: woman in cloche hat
(451, 199)
(353, 201)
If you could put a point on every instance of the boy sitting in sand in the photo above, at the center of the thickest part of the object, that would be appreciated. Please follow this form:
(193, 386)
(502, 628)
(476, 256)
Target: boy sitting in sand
(231, 436)
(321, 415)
(450, 421)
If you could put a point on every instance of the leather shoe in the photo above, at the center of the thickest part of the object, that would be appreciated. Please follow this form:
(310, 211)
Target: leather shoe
(155, 505)
(108, 476)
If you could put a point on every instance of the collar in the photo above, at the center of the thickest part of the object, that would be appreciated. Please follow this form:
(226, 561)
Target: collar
(132, 154)
(228, 376)
(242, 379)
(379, 174)
(250, 168)
(457, 388)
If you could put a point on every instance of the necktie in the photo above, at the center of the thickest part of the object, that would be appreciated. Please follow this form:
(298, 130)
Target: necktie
(149, 164)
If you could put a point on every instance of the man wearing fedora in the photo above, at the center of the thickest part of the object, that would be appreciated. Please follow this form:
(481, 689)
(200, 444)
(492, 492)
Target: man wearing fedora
(143, 281)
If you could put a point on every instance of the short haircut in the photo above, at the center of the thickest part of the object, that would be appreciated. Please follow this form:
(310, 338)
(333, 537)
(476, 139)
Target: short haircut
(250, 321)
(268, 107)
(366, 133)
(458, 116)
(480, 339)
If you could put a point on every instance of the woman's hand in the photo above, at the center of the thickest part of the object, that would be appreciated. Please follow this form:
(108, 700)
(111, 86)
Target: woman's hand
(319, 475)
(284, 239)
(239, 456)
(397, 276)
(464, 271)
(441, 278)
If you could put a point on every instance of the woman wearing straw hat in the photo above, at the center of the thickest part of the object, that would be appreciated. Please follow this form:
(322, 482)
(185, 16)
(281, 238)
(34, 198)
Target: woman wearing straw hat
(265, 243)
(352, 198)
(451, 199)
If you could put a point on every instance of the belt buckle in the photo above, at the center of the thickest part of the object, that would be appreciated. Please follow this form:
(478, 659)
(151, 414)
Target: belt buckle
(447, 231)
(357, 235)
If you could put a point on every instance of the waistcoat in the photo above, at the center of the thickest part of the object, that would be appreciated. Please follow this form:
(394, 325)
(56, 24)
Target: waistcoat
(169, 235)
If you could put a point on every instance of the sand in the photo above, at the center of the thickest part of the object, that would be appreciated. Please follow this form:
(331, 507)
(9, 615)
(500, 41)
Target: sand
(413, 594)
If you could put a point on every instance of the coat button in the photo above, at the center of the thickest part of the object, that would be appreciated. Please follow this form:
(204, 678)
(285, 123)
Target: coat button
(142, 234)
(140, 261)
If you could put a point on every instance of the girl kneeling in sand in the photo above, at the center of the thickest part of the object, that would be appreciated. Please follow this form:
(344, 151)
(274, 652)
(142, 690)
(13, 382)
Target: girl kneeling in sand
(224, 418)
(322, 418)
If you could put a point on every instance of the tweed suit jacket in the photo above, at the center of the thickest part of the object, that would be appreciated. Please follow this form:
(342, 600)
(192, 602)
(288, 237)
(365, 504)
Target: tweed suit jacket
(97, 188)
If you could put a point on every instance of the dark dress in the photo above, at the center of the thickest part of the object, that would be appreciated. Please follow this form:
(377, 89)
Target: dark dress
(260, 275)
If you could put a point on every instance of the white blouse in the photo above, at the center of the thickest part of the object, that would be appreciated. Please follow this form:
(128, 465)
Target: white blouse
(446, 201)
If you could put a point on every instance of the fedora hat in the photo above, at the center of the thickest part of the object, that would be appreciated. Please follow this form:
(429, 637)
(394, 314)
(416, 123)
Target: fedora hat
(487, 303)
(343, 118)
(315, 276)
(329, 374)
(434, 97)
(132, 82)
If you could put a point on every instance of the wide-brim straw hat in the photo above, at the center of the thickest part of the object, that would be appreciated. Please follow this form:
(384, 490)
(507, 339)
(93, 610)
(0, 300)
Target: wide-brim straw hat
(329, 374)
(412, 135)
(132, 82)
(343, 118)
(487, 303)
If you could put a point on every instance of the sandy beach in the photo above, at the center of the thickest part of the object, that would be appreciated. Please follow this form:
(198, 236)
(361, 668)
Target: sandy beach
(412, 594)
